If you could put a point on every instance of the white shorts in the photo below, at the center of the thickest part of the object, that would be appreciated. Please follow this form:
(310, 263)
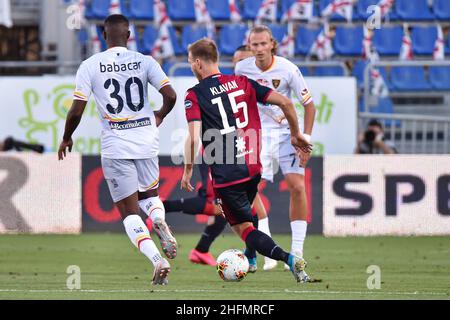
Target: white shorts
(278, 147)
(125, 177)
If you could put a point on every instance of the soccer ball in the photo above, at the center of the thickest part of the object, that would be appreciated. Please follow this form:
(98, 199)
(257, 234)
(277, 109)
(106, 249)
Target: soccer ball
(232, 265)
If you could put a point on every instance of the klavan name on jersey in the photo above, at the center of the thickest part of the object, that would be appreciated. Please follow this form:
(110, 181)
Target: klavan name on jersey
(114, 67)
(223, 88)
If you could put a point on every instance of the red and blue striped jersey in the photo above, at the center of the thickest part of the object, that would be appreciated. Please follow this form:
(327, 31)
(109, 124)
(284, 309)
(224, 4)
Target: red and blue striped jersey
(231, 128)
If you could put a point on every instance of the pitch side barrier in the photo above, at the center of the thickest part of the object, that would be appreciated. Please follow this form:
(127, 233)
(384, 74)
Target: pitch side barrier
(349, 195)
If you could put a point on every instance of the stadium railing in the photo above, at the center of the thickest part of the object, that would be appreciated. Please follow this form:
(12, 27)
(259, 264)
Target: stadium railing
(300, 64)
(413, 133)
(417, 134)
(399, 63)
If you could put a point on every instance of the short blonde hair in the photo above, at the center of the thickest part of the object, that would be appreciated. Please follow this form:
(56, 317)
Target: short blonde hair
(204, 49)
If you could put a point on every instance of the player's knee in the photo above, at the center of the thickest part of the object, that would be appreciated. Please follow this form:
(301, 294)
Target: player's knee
(298, 187)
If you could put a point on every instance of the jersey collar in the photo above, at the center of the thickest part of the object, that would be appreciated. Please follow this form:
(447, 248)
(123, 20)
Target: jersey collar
(117, 49)
(270, 67)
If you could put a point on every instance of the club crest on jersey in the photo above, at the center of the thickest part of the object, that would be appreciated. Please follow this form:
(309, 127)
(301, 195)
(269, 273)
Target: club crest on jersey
(187, 104)
(276, 83)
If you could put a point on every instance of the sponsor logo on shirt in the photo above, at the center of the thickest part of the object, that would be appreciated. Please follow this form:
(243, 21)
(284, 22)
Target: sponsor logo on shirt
(263, 82)
(130, 124)
(187, 104)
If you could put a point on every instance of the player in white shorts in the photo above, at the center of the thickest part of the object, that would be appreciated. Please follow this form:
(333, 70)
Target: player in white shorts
(118, 79)
(283, 76)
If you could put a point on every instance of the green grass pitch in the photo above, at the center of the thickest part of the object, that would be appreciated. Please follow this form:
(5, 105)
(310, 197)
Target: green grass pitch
(34, 267)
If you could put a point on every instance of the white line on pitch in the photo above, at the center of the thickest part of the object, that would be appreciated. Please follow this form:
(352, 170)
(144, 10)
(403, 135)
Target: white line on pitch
(228, 291)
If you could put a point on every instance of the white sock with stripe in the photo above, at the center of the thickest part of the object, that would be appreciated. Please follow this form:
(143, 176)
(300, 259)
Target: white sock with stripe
(263, 226)
(153, 207)
(298, 229)
(140, 237)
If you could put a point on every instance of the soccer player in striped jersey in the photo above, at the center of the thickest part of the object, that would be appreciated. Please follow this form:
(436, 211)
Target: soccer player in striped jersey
(283, 76)
(223, 111)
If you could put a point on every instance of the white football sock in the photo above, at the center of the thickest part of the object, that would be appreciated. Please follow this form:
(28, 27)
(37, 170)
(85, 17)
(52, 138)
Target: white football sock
(153, 207)
(263, 226)
(140, 237)
(298, 229)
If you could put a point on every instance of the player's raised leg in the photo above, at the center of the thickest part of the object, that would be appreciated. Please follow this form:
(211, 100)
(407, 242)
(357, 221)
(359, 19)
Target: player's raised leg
(200, 254)
(235, 201)
(263, 225)
(151, 204)
(122, 179)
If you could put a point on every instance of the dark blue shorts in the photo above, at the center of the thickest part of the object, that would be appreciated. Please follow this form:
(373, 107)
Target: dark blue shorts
(236, 200)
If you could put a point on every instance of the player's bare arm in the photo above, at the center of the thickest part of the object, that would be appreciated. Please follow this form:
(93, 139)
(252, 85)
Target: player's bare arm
(286, 105)
(169, 100)
(310, 114)
(190, 152)
(72, 121)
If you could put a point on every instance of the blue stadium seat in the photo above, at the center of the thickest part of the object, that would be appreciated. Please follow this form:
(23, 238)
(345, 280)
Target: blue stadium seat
(141, 9)
(413, 10)
(305, 71)
(250, 9)
(192, 33)
(148, 38)
(88, 14)
(218, 9)
(181, 10)
(348, 40)
(179, 72)
(100, 8)
(335, 17)
(358, 72)
(278, 31)
(286, 4)
(388, 40)
(441, 9)
(227, 70)
(409, 79)
(232, 36)
(361, 9)
(384, 105)
(305, 38)
(447, 47)
(440, 78)
(329, 71)
(423, 39)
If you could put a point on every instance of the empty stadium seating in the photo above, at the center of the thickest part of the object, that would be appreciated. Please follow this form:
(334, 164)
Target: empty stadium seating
(358, 72)
(441, 9)
(192, 33)
(180, 10)
(141, 9)
(231, 37)
(423, 39)
(409, 79)
(335, 17)
(335, 71)
(278, 31)
(440, 78)
(100, 8)
(180, 72)
(417, 10)
(305, 38)
(388, 40)
(218, 9)
(348, 40)
(149, 36)
(250, 9)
